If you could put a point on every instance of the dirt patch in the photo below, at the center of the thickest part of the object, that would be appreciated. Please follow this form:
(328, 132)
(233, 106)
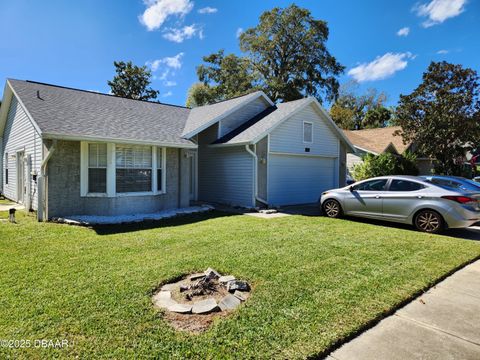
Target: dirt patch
(192, 323)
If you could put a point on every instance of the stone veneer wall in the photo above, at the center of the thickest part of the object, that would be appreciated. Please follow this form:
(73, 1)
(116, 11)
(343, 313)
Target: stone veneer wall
(64, 187)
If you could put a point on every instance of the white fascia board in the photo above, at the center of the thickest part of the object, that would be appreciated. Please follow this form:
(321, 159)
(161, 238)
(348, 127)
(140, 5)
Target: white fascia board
(117, 140)
(285, 118)
(365, 150)
(339, 132)
(243, 143)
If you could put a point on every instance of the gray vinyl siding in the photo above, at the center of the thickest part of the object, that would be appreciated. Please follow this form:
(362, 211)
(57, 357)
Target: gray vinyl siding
(20, 135)
(243, 114)
(225, 175)
(64, 187)
(288, 136)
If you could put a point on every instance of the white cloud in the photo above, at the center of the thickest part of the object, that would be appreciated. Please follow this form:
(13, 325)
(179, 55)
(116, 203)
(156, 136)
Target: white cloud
(178, 35)
(174, 62)
(207, 10)
(159, 10)
(239, 32)
(381, 68)
(442, 52)
(437, 11)
(167, 94)
(170, 83)
(403, 31)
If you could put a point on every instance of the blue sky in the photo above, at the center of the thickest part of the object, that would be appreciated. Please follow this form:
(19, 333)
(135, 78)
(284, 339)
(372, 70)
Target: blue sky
(74, 43)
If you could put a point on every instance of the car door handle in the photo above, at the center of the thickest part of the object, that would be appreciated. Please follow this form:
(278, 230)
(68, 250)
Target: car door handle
(419, 196)
(378, 197)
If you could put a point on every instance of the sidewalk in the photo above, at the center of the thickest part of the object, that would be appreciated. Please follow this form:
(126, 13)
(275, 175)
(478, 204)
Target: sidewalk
(443, 323)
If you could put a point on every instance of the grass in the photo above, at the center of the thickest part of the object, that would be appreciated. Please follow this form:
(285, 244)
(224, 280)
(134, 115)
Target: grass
(316, 281)
(6, 202)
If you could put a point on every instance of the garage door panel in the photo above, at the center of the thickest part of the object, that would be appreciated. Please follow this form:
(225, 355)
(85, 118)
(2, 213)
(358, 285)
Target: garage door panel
(299, 179)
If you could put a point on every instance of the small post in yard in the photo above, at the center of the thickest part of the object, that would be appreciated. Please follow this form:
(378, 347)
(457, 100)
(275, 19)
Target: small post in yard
(11, 213)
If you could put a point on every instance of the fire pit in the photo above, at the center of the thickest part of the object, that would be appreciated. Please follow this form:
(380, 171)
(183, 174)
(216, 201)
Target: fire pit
(202, 294)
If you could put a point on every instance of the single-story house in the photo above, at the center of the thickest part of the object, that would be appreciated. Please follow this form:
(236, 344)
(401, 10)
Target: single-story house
(382, 140)
(69, 152)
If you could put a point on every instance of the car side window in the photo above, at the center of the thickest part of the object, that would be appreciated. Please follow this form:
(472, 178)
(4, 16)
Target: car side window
(448, 183)
(441, 182)
(405, 185)
(372, 185)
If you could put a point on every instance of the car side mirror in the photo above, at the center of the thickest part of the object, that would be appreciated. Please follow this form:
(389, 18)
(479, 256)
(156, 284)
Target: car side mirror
(350, 188)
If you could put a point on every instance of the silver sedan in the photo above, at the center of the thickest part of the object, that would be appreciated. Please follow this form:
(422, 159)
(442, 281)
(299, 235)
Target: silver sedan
(404, 199)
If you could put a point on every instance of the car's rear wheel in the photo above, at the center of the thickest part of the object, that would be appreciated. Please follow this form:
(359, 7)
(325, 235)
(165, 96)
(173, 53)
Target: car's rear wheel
(332, 208)
(429, 221)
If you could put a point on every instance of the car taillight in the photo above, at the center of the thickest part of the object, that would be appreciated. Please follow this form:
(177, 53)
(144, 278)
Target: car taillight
(460, 199)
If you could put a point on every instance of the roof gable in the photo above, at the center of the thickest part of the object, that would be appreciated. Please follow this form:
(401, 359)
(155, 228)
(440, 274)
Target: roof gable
(283, 111)
(203, 117)
(76, 114)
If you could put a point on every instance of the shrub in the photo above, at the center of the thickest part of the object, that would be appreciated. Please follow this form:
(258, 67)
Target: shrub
(385, 164)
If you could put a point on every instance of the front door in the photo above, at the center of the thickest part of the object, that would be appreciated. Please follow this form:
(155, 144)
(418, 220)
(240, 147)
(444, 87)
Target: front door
(365, 199)
(20, 177)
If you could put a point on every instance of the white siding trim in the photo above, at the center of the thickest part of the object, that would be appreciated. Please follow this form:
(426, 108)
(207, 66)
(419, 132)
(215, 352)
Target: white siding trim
(111, 162)
(116, 140)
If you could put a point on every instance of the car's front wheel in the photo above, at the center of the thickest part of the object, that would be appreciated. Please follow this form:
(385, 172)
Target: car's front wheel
(332, 208)
(429, 221)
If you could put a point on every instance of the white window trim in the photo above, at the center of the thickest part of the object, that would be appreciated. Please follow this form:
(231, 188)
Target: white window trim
(303, 132)
(111, 173)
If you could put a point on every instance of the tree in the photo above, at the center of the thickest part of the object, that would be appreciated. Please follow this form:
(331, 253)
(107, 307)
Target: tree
(385, 164)
(376, 117)
(350, 110)
(288, 49)
(285, 56)
(442, 115)
(226, 77)
(132, 82)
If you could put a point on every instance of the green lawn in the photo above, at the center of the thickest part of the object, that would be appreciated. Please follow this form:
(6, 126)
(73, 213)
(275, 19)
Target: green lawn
(315, 281)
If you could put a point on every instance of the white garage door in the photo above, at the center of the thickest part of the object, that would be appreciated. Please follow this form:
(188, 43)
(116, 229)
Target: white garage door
(299, 179)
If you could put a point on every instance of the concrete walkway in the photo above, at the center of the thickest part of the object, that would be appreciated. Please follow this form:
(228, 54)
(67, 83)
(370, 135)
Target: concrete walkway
(6, 207)
(443, 323)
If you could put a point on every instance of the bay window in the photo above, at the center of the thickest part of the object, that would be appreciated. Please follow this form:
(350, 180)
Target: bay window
(121, 169)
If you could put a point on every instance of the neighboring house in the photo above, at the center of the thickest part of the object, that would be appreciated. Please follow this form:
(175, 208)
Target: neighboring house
(382, 140)
(67, 151)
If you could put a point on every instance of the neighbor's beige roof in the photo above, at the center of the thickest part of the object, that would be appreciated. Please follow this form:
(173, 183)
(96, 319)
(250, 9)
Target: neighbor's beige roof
(377, 140)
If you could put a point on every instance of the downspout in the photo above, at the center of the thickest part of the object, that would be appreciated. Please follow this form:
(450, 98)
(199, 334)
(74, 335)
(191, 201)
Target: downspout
(255, 177)
(42, 209)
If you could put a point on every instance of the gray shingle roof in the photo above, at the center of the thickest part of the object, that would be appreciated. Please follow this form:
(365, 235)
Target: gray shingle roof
(60, 111)
(268, 122)
(203, 116)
